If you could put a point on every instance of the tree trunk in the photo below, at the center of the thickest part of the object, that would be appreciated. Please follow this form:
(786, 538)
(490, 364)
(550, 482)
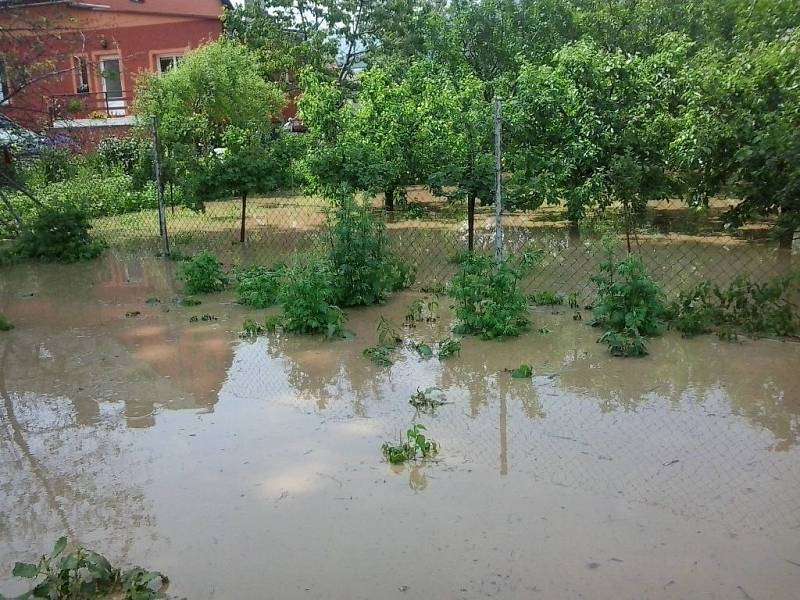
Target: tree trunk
(471, 222)
(388, 199)
(786, 238)
(244, 215)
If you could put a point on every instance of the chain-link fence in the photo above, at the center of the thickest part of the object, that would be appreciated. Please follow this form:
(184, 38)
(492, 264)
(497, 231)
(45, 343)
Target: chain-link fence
(680, 245)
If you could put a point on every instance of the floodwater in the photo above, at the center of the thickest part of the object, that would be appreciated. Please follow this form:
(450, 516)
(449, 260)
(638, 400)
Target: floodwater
(252, 469)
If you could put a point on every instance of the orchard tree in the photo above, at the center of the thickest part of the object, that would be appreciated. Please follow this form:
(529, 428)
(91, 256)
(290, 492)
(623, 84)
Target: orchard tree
(593, 127)
(370, 145)
(216, 95)
(739, 132)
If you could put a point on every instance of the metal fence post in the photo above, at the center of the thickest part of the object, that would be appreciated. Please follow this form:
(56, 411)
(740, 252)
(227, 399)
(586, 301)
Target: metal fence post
(162, 216)
(498, 174)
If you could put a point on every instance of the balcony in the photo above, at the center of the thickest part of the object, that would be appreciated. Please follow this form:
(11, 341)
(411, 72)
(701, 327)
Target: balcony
(90, 109)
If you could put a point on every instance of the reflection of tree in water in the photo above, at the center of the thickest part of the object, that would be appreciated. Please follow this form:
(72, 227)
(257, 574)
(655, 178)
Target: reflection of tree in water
(319, 374)
(59, 472)
(755, 379)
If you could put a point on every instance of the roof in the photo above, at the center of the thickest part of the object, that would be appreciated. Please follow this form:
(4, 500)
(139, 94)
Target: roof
(201, 8)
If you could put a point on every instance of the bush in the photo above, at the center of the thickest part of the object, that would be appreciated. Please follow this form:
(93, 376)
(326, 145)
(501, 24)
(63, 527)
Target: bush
(131, 154)
(361, 256)
(110, 193)
(54, 165)
(488, 301)
(5, 324)
(258, 286)
(743, 307)
(629, 305)
(307, 297)
(58, 234)
(202, 274)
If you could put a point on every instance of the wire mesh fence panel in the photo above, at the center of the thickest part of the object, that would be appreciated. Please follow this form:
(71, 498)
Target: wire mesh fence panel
(681, 246)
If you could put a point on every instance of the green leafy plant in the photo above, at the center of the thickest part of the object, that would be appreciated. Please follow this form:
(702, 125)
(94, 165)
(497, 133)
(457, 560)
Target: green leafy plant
(448, 347)
(421, 310)
(82, 574)
(59, 235)
(488, 301)
(252, 328)
(188, 301)
(522, 372)
(624, 343)
(258, 286)
(743, 307)
(360, 253)
(307, 297)
(380, 355)
(203, 274)
(423, 349)
(415, 445)
(388, 340)
(547, 298)
(427, 400)
(5, 324)
(629, 305)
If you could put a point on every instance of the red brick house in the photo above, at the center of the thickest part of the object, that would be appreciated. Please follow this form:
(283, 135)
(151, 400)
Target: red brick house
(73, 64)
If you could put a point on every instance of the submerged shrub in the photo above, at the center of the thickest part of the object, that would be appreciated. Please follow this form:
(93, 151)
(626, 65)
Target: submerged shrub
(203, 274)
(5, 324)
(415, 445)
(60, 235)
(629, 305)
(258, 286)
(488, 301)
(81, 573)
(360, 253)
(743, 307)
(307, 297)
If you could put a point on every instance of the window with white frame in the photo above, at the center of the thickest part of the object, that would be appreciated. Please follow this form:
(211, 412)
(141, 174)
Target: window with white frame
(168, 61)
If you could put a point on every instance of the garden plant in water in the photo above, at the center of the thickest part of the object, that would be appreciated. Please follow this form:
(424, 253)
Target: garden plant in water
(307, 295)
(58, 235)
(203, 274)
(361, 257)
(258, 286)
(415, 445)
(743, 307)
(81, 574)
(629, 305)
(487, 298)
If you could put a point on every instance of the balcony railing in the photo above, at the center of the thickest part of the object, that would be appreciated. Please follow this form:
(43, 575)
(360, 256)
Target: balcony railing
(90, 105)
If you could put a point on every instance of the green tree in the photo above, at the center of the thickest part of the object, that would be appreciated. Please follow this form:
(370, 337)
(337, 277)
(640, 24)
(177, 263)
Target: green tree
(216, 95)
(371, 145)
(593, 127)
(738, 131)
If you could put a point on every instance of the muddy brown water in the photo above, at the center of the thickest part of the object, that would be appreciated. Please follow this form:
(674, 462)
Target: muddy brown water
(252, 469)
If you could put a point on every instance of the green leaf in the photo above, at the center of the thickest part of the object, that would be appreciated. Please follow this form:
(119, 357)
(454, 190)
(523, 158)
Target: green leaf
(25, 570)
(59, 546)
(522, 372)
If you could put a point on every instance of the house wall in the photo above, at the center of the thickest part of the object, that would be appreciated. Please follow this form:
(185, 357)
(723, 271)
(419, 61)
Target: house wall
(135, 36)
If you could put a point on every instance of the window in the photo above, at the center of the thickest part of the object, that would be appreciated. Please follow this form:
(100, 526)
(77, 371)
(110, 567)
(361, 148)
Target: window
(4, 91)
(81, 74)
(168, 61)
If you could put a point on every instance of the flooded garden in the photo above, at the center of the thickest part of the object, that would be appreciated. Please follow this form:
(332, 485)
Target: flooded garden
(248, 467)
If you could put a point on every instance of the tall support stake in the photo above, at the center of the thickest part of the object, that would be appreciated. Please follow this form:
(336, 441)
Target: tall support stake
(162, 215)
(498, 175)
